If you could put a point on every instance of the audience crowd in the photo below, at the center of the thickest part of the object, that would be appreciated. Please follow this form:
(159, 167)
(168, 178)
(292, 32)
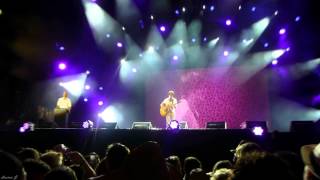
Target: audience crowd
(146, 162)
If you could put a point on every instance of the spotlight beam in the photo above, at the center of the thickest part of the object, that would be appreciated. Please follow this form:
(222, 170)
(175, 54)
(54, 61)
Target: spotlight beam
(258, 61)
(302, 69)
(74, 84)
(101, 24)
(249, 36)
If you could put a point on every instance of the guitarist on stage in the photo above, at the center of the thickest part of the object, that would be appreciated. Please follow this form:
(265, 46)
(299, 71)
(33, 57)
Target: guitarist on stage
(168, 107)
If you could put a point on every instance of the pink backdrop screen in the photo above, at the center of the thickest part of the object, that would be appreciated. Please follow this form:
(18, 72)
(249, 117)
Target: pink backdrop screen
(208, 95)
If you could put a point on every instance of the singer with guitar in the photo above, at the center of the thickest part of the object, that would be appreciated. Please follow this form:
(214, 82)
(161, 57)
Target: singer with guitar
(168, 107)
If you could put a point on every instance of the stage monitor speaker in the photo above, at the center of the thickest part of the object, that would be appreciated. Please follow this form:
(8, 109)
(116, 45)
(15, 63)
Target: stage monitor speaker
(141, 125)
(108, 125)
(183, 125)
(302, 126)
(217, 125)
(253, 124)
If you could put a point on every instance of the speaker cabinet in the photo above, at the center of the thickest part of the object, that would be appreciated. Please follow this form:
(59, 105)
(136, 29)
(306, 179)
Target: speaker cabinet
(216, 125)
(141, 125)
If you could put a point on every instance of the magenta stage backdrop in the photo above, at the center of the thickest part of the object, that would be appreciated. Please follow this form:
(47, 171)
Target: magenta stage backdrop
(209, 95)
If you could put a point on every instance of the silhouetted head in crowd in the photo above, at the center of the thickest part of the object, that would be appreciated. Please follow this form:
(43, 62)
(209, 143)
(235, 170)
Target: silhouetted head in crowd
(61, 148)
(222, 174)
(311, 158)
(146, 162)
(293, 161)
(189, 164)
(28, 153)
(173, 173)
(36, 169)
(116, 155)
(219, 165)
(245, 149)
(52, 158)
(93, 159)
(198, 174)
(61, 173)
(240, 143)
(11, 167)
(262, 166)
(175, 162)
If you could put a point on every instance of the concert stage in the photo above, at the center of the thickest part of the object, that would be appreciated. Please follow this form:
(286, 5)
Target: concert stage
(208, 145)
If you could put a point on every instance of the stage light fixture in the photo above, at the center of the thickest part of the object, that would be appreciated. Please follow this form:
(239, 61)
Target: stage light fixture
(87, 87)
(288, 49)
(87, 124)
(228, 22)
(258, 130)
(162, 28)
(204, 7)
(119, 44)
(174, 124)
(282, 31)
(100, 103)
(274, 62)
(62, 66)
(211, 8)
(26, 127)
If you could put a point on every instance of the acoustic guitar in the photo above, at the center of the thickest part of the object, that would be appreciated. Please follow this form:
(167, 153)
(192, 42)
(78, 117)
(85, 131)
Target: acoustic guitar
(165, 109)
